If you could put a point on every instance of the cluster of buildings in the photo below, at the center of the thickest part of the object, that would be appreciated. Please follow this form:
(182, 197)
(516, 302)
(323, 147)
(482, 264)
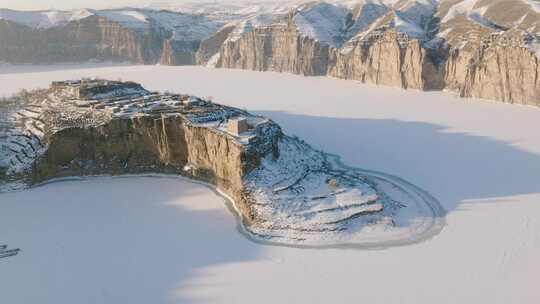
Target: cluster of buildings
(497, 39)
(508, 39)
(385, 34)
(87, 88)
(125, 99)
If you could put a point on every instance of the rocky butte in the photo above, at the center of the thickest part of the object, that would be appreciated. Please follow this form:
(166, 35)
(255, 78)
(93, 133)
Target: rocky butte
(284, 191)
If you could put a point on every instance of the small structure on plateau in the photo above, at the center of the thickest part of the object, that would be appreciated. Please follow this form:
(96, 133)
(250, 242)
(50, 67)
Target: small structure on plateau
(237, 126)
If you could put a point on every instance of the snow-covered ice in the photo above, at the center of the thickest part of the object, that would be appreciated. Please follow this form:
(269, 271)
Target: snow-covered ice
(141, 240)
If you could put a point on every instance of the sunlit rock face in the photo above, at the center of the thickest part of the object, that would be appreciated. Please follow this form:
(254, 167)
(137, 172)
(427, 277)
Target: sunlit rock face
(429, 45)
(137, 36)
(507, 72)
(388, 61)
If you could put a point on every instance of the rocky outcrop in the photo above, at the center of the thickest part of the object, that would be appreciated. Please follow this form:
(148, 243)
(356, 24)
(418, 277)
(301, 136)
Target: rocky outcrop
(276, 48)
(137, 36)
(509, 74)
(104, 127)
(92, 38)
(387, 62)
(211, 46)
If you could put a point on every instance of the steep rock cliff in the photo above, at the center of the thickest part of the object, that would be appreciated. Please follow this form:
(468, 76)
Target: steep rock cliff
(275, 48)
(121, 128)
(149, 145)
(138, 36)
(211, 46)
(386, 61)
(92, 38)
(509, 74)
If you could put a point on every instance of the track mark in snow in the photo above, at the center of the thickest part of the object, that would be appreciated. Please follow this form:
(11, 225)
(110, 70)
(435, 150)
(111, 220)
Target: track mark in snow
(6, 253)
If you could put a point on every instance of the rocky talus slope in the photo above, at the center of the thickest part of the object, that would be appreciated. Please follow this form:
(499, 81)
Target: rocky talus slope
(284, 191)
(476, 48)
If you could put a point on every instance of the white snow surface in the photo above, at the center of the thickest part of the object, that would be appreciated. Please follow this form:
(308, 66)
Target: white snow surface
(416, 11)
(535, 5)
(229, 11)
(410, 28)
(322, 21)
(471, 10)
(155, 240)
(43, 19)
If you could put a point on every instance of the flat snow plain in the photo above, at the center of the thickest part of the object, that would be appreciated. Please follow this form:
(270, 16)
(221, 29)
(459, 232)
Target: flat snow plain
(162, 240)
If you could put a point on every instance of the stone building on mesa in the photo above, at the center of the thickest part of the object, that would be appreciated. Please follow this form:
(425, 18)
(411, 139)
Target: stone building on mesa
(86, 88)
(237, 126)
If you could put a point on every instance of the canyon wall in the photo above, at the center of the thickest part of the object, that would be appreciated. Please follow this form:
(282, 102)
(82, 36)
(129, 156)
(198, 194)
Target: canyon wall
(509, 74)
(93, 38)
(276, 48)
(387, 62)
(149, 144)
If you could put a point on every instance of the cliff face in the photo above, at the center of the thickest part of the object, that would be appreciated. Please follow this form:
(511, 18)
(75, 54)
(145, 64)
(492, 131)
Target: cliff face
(149, 144)
(96, 127)
(92, 38)
(211, 46)
(137, 36)
(387, 62)
(510, 74)
(179, 52)
(276, 48)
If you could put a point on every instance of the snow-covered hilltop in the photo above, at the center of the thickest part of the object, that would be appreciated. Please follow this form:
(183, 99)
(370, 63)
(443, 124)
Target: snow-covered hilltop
(284, 191)
(485, 49)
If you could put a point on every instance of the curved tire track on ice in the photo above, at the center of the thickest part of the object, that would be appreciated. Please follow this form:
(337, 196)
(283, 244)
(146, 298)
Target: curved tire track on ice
(424, 228)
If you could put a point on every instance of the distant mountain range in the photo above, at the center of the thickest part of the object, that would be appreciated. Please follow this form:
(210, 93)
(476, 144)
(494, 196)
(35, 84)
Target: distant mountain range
(479, 48)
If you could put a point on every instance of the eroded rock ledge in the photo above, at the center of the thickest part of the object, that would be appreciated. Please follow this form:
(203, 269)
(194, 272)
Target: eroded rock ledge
(284, 190)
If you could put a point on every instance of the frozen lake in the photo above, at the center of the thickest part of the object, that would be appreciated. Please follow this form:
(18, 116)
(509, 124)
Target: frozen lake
(163, 240)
